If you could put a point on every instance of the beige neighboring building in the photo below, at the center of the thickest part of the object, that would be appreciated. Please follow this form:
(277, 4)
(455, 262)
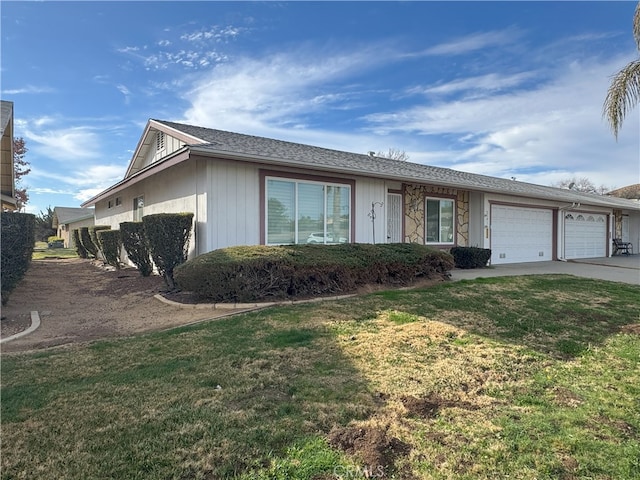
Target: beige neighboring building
(67, 219)
(8, 183)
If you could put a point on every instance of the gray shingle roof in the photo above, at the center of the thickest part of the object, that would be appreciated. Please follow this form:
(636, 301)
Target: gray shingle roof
(65, 215)
(294, 154)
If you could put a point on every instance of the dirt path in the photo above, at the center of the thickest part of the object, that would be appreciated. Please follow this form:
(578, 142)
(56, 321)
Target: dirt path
(79, 301)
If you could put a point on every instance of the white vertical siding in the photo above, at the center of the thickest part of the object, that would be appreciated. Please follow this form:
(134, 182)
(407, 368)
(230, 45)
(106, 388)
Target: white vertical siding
(370, 191)
(234, 205)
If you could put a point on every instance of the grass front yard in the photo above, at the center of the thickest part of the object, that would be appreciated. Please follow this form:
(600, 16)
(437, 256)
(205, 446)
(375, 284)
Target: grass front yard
(523, 377)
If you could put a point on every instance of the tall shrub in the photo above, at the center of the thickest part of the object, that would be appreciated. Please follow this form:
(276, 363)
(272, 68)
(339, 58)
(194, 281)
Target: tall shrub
(110, 244)
(135, 244)
(81, 251)
(88, 245)
(18, 241)
(93, 233)
(168, 237)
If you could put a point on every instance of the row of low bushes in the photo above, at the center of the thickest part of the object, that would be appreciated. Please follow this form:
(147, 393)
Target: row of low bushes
(160, 239)
(470, 257)
(18, 242)
(252, 273)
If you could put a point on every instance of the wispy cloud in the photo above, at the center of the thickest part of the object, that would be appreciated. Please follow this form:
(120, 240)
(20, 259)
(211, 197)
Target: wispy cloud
(68, 144)
(282, 89)
(124, 91)
(489, 83)
(558, 122)
(473, 42)
(215, 33)
(29, 89)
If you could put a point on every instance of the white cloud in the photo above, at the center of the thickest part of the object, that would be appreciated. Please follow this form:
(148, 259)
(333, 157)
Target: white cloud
(491, 82)
(28, 89)
(215, 33)
(531, 132)
(473, 42)
(73, 143)
(268, 93)
(124, 91)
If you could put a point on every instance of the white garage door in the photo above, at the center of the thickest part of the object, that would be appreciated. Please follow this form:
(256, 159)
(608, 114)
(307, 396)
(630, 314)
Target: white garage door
(585, 235)
(520, 234)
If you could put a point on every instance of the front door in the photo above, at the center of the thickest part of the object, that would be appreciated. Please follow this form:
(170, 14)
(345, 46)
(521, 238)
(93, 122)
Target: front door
(394, 218)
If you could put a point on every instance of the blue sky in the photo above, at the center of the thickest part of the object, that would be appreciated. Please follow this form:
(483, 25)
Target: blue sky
(509, 89)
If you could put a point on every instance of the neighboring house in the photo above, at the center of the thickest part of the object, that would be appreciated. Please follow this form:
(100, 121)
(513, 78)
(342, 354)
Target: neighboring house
(67, 219)
(246, 190)
(632, 192)
(7, 181)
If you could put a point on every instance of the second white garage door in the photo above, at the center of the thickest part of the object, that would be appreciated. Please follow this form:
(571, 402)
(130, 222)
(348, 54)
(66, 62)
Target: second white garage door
(585, 235)
(521, 234)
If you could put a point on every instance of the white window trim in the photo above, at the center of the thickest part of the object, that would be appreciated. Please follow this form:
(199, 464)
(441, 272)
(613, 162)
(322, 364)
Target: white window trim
(454, 226)
(296, 182)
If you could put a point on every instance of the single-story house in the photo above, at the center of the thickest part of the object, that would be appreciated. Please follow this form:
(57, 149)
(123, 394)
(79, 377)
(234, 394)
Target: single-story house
(247, 190)
(67, 219)
(7, 178)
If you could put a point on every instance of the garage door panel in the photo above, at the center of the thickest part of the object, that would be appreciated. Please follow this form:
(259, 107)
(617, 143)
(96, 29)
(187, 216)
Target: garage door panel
(585, 235)
(521, 234)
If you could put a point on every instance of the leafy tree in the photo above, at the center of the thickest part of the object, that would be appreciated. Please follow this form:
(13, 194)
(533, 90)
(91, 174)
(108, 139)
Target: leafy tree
(20, 169)
(583, 185)
(44, 225)
(624, 92)
(394, 154)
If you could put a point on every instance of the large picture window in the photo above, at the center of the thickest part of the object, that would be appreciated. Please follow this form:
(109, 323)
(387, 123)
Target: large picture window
(439, 224)
(307, 212)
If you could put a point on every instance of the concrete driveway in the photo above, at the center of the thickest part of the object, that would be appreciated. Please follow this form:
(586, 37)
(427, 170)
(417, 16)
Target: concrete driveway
(621, 268)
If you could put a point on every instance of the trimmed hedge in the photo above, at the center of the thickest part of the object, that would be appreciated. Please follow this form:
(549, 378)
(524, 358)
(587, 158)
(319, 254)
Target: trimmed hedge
(135, 244)
(470, 257)
(80, 250)
(253, 273)
(110, 244)
(168, 235)
(93, 233)
(18, 242)
(87, 243)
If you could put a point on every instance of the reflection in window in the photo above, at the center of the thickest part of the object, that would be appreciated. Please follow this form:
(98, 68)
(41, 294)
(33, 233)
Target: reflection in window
(138, 208)
(439, 223)
(307, 212)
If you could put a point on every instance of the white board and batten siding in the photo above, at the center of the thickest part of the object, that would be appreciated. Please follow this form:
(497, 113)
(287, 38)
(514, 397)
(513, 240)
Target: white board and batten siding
(521, 234)
(585, 235)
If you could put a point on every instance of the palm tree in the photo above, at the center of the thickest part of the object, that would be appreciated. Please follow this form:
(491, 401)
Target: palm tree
(624, 91)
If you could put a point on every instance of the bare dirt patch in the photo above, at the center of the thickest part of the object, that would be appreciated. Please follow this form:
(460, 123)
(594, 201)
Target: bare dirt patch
(80, 301)
(633, 329)
(371, 445)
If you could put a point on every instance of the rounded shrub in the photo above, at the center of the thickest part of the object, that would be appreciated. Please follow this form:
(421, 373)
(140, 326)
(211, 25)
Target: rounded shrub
(80, 250)
(135, 244)
(470, 257)
(110, 244)
(253, 273)
(87, 243)
(168, 235)
(18, 242)
(93, 233)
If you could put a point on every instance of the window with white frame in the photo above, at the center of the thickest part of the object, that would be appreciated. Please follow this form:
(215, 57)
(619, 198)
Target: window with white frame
(138, 208)
(300, 211)
(440, 220)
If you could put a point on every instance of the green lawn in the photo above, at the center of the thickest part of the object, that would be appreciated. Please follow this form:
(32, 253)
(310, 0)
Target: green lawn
(41, 252)
(524, 377)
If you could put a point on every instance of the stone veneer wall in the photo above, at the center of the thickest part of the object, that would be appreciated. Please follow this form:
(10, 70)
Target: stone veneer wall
(617, 224)
(414, 208)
